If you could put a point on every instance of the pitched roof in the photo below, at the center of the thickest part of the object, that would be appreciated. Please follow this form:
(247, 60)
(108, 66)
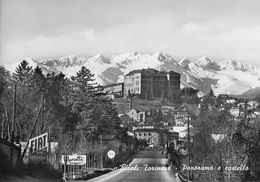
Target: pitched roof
(149, 71)
(147, 130)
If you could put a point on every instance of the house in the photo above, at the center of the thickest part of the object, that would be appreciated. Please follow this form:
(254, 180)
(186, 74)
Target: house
(143, 127)
(163, 124)
(183, 131)
(230, 101)
(114, 90)
(181, 117)
(136, 115)
(234, 111)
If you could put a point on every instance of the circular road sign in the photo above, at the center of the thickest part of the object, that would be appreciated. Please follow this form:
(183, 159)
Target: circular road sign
(111, 154)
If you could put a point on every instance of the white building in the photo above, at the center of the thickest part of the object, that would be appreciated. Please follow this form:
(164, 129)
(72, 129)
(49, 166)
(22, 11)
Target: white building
(218, 137)
(234, 111)
(143, 127)
(180, 118)
(136, 115)
(133, 83)
(182, 130)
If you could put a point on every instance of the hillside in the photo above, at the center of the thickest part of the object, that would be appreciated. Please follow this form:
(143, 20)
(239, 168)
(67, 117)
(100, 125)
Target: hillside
(252, 93)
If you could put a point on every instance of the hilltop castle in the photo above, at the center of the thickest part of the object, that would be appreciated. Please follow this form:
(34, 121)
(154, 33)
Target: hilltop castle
(151, 83)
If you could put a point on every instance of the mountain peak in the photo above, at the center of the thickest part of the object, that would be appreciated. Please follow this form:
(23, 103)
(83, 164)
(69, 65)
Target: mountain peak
(160, 56)
(100, 58)
(70, 60)
(185, 63)
(65, 61)
(207, 63)
(203, 61)
(231, 64)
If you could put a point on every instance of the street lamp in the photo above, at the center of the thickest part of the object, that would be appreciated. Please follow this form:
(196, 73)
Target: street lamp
(101, 161)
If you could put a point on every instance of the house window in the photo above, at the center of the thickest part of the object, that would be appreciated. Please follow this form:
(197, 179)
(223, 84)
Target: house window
(144, 134)
(139, 134)
(149, 134)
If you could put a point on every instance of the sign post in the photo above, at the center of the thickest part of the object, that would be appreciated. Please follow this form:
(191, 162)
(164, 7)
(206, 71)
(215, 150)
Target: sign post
(38, 143)
(111, 155)
(38, 157)
(38, 148)
(74, 159)
(71, 164)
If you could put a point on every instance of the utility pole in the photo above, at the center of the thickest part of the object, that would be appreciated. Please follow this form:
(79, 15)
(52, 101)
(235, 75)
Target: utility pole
(101, 160)
(13, 122)
(3, 124)
(7, 125)
(33, 127)
(49, 143)
(42, 117)
(245, 114)
(189, 147)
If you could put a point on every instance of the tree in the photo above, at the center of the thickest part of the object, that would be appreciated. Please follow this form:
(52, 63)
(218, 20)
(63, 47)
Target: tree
(39, 81)
(4, 80)
(23, 74)
(57, 87)
(211, 93)
(27, 102)
(5, 98)
(84, 81)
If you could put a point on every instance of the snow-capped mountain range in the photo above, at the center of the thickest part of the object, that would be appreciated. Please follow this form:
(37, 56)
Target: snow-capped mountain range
(226, 77)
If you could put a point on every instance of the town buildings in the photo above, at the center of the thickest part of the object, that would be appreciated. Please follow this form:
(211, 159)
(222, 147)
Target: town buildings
(149, 135)
(181, 117)
(142, 105)
(152, 136)
(136, 115)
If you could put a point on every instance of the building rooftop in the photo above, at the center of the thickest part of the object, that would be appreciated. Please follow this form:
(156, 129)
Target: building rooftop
(149, 71)
(147, 130)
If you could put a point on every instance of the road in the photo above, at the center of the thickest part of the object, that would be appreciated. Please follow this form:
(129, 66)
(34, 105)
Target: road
(147, 166)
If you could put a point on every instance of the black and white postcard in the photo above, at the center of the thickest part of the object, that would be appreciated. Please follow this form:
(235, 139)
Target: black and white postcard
(130, 90)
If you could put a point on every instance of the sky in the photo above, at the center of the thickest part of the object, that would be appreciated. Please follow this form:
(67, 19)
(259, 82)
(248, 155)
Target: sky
(41, 29)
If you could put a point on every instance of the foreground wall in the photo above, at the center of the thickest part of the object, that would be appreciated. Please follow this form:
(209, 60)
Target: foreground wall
(5, 148)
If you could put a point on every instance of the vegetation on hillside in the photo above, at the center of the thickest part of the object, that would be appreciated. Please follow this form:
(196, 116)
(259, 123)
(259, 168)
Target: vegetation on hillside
(75, 109)
(235, 157)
